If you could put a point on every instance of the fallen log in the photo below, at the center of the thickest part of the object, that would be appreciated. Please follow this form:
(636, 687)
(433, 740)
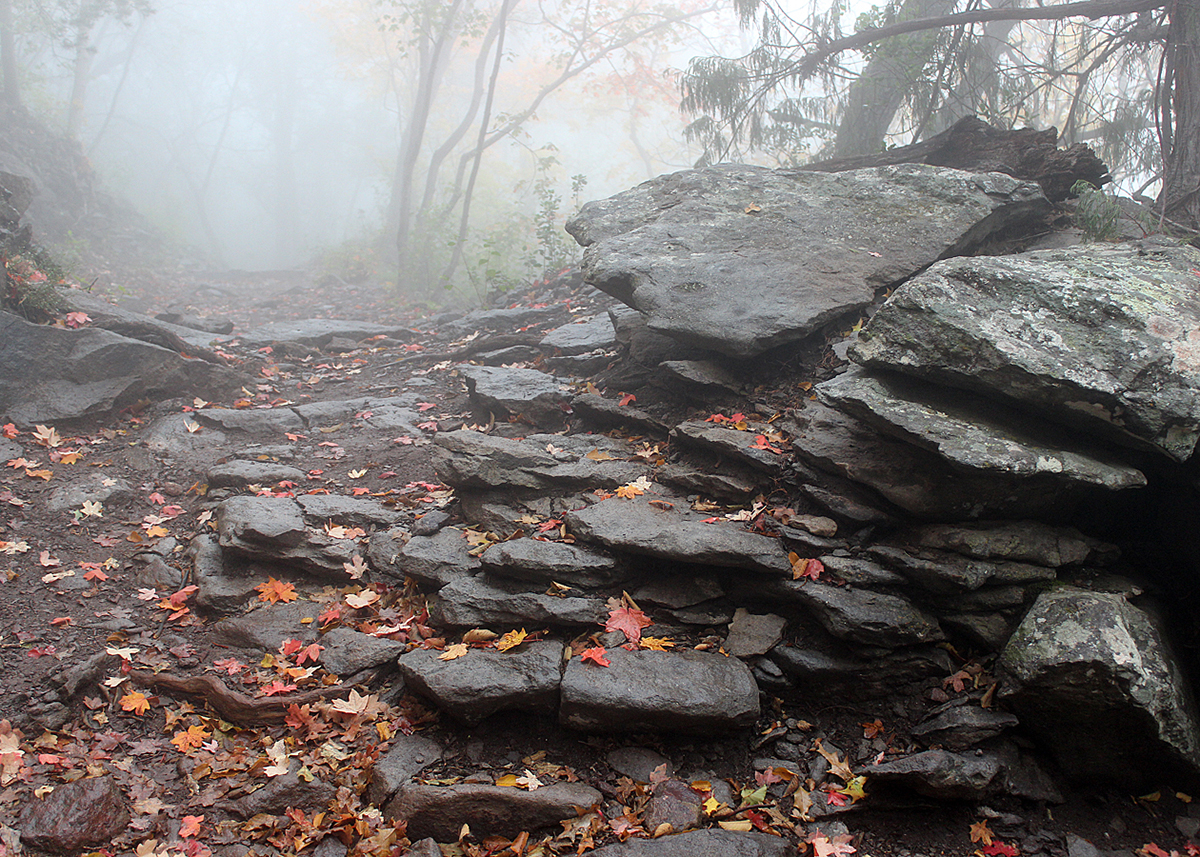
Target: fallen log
(972, 144)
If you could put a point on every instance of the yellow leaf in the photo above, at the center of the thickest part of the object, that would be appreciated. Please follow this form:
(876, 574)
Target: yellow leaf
(511, 640)
(507, 781)
(854, 788)
(711, 806)
(657, 644)
(740, 825)
(452, 652)
(597, 455)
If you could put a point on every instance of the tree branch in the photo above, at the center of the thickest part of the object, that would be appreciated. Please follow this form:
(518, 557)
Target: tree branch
(1091, 9)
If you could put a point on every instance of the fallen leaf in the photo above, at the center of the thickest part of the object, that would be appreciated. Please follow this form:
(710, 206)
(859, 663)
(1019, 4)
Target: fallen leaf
(511, 640)
(359, 600)
(1003, 849)
(46, 436)
(479, 635)
(595, 655)
(135, 701)
(455, 651)
(803, 566)
(274, 591)
(981, 833)
(655, 644)
(838, 846)
(629, 621)
(625, 399)
(190, 739)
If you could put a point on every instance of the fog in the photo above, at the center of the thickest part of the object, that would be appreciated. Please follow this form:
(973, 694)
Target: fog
(265, 133)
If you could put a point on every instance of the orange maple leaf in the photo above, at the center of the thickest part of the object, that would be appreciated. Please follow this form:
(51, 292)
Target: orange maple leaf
(190, 738)
(135, 701)
(190, 826)
(274, 591)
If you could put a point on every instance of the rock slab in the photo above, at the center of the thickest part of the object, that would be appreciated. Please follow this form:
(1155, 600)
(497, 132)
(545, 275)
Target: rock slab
(740, 258)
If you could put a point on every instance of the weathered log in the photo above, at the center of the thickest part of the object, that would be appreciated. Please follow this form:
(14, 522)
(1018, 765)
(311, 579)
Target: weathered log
(972, 144)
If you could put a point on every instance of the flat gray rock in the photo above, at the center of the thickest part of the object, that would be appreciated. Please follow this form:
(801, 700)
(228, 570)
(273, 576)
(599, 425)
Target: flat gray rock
(958, 727)
(753, 634)
(1098, 336)
(273, 529)
(821, 668)
(862, 616)
(972, 432)
(941, 774)
(637, 527)
(699, 693)
(484, 681)
(740, 258)
(318, 332)
(441, 811)
(1021, 541)
(49, 374)
(239, 473)
(684, 589)
(432, 561)
(916, 480)
(490, 600)
(347, 651)
(701, 376)
(711, 842)
(96, 487)
(407, 757)
(542, 562)
(260, 421)
(348, 511)
(227, 581)
(538, 397)
(266, 628)
(580, 337)
(948, 572)
(607, 412)
(471, 459)
(739, 445)
(1093, 676)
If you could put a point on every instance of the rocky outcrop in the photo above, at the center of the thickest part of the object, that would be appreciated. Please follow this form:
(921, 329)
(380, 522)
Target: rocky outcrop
(739, 259)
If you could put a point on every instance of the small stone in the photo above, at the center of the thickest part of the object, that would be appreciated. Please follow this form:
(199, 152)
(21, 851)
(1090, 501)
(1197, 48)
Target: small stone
(673, 803)
(638, 763)
(753, 633)
(74, 816)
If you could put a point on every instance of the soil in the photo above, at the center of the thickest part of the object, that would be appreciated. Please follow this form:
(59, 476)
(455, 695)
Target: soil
(49, 626)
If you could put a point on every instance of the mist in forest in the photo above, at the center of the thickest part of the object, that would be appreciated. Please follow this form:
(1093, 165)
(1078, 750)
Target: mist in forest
(265, 134)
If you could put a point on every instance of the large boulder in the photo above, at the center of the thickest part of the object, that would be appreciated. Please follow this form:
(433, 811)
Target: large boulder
(741, 258)
(1093, 676)
(1103, 337)
(49, 374)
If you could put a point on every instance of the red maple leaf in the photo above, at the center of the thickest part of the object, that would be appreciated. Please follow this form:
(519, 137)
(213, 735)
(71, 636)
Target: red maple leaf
(277, 687)
(1000, 849)
(625, 399)
(629, 621)
(596, 655)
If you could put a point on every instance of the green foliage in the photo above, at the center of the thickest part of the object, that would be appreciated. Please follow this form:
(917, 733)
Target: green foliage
(1096, 213)
(30, 284)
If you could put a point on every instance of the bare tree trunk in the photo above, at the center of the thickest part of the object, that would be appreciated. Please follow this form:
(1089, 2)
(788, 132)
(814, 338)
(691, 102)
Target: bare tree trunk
(465, 220)
(8, 57)
(434, 54)
(1179, 106)
(876, 95)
